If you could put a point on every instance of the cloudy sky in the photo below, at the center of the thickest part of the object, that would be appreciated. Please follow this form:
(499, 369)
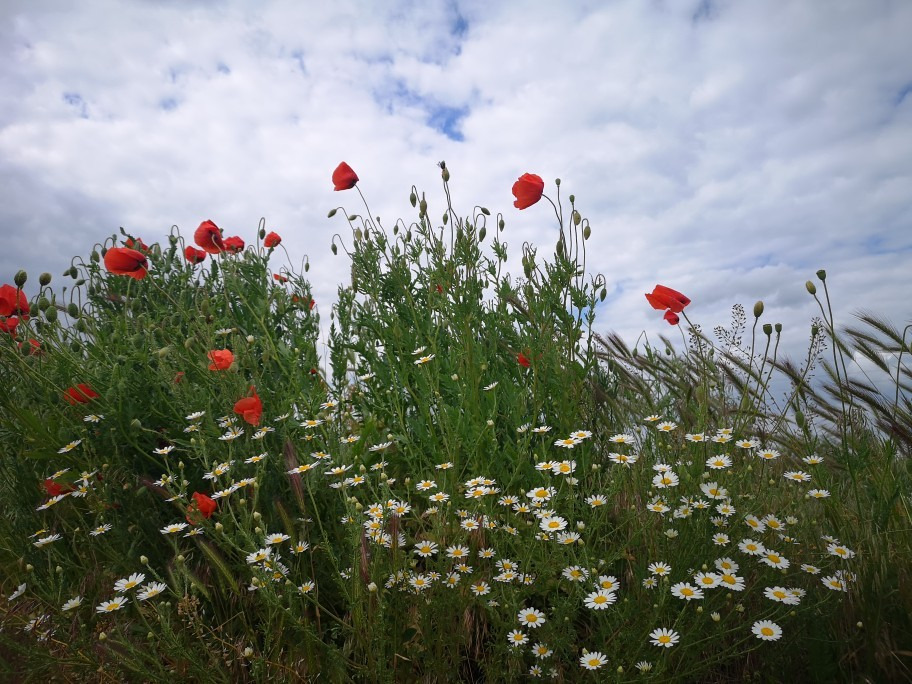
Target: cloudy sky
(725, 148)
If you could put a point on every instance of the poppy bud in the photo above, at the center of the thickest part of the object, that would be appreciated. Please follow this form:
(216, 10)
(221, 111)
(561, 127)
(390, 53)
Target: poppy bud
(334, 248)
(358, 234)
(44, 279)
(810, 287)
(572, 199)
(445, 219)
(577, 219)
(482, 233)
(413, 198)
(73, 310)
(332, 212)
(603, 294)
(587, 231)
(758, 309)
(20, 278)
(767, 329)
(422, 207)
(557, 182)
(778, 327)
(43, 303)
(51, 314)
(500, 224)
(445, 174)
(353, 217)
(821, 274)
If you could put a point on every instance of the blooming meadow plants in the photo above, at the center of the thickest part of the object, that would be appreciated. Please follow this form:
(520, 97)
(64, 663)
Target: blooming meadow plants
(480, 489)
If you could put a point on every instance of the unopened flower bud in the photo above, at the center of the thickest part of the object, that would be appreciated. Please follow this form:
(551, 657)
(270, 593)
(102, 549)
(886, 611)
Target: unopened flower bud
(144, 560)
(715, 616)
(219, 527)
(257, 515)
(810, 287)
(102, 636)
(20, 278)
(490, 423)
(587, 231)
(248, 652)
(180, 558)
(332, 212)
(777, 327)
(821, 274)
(758, 309)
(136, 424)
(58, 569)
(44, 279)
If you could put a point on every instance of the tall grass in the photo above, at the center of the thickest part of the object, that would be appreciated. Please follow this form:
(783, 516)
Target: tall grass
(482, 488)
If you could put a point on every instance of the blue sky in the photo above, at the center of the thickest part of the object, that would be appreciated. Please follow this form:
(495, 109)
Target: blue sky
(726, 149)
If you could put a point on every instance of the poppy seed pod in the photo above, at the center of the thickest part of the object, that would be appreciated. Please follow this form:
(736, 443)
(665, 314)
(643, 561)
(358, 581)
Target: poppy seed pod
(767, 329)
(758, 309)
(821, 274)
(778, 327)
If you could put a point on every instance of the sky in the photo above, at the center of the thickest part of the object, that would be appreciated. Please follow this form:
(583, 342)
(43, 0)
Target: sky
(727, 149)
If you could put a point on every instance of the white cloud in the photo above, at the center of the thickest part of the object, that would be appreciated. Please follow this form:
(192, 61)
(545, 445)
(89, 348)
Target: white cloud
(724, 149)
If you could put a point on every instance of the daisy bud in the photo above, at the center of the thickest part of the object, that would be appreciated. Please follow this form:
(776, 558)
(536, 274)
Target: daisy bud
(372, 587)
(620, 669)
(454, 377)
(144, 560)
(180, 465)
(150, 636)
(362, 468)
(102, 636)
(250, 339)
(758, 309)
(389, 436)
(810, 287)
(715, 616)
(180, 558)
(58, 569)
(257, 515)
(490, 422)
(29, 567)
(242, 502)
(258, 530)
(859, 624)
(408, 481)
(699, 609)
(219, 527)
(580, 525)
(359, 506)
(248, 652)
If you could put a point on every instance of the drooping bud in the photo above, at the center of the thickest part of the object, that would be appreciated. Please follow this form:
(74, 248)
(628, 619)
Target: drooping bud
(73, 310)
(482, 233)
(44, 279)
(758, 309)
(51, 314)
(413, 198)
(332, 212)
(587, 231)
(20, 278)
(136, 424)
(500, 224)
(334, 248)
(262, 233)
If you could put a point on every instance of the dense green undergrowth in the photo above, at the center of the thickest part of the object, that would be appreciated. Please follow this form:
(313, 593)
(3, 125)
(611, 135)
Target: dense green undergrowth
(483, 488)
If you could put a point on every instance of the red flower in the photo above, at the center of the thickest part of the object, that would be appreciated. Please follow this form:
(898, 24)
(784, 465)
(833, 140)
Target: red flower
(194, 255)
(344, 178)
(528, 190)
(272, 240)
(179, 377)
(54, 489)
(126, 261)
(250, 408)
(234, 244)
(523, 360)
(136, 244)
(9, 325)
(313, 303)
(280, 277)
(201, 505)
(35, 347)
(81, 394)
(672, 317)
(13, 301)
(209, 237)
(221, 359)
(665, 298)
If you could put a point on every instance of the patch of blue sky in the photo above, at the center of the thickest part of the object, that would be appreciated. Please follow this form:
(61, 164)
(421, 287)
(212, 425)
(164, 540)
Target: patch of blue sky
(902, 94)
(445, 119)
(75, 100)
(168, 104)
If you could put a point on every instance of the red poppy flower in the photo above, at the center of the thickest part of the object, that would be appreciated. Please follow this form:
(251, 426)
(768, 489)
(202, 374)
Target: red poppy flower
(344, 178)
(221, 359)
(663, 297)
(313, 303)
(56, 489)
(9, 325)
(35, 347)
(209, 237)
(272, 240)
(179, 377)
(528, 190)
(250, 408)
(194, 255)
(81, 394)
(280, 277)
(523, 360)
(234, 244)
(201, 505)
(136, 244)
(126, 261)
(13, 301)
(672, 317)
